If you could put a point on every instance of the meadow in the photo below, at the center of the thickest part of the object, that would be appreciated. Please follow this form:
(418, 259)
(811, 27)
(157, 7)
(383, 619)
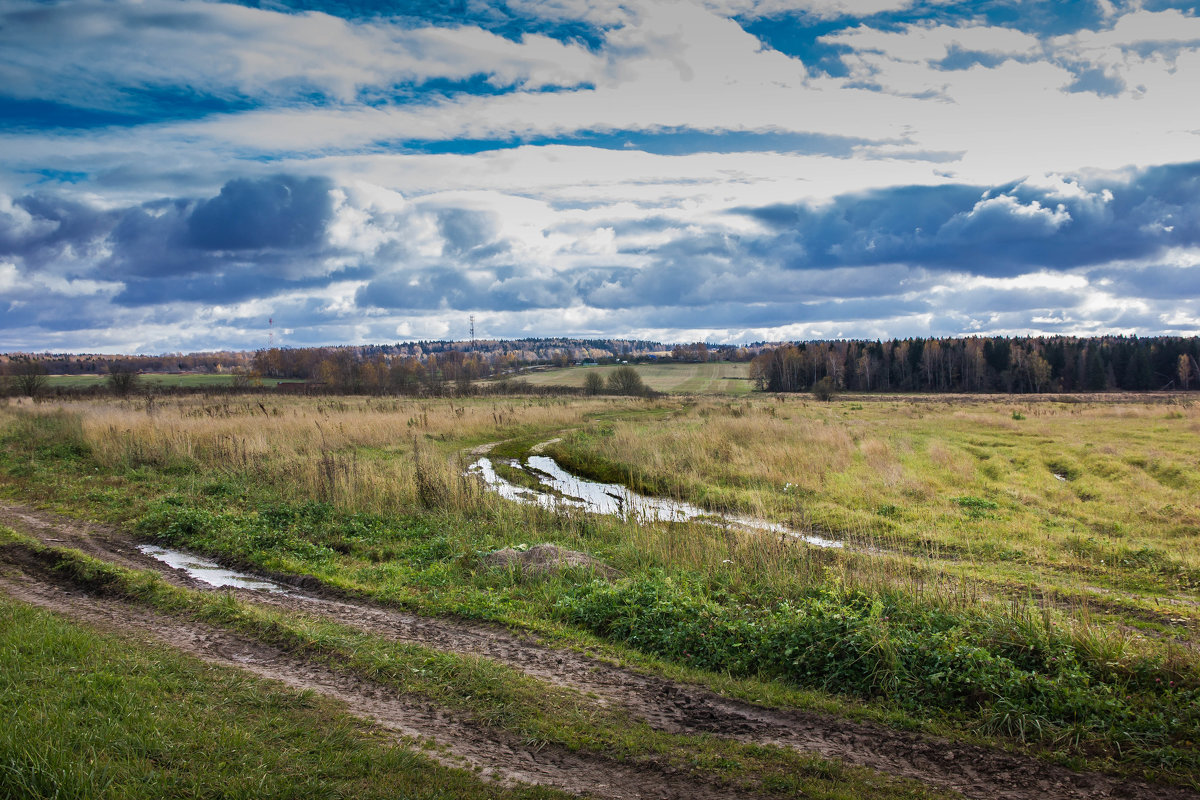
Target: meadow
(718, 377)
(1021, 574)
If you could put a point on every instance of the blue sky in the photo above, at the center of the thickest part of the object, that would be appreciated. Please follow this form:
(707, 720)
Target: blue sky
(175, 173)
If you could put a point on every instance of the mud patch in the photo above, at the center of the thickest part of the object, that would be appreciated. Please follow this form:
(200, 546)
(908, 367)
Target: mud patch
(208, 571)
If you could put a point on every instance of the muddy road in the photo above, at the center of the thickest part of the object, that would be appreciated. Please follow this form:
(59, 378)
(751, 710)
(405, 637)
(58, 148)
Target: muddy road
(678, 708)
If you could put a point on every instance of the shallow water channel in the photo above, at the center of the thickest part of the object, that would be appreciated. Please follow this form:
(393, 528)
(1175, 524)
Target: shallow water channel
(564, 490)
(208, 571)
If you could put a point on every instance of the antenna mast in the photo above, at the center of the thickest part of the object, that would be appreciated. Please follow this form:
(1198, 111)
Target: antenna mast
(270, 333)
(472, 333)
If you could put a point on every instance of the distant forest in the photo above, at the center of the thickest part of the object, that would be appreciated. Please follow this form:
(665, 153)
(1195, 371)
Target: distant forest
(974, 364)
(966, 365)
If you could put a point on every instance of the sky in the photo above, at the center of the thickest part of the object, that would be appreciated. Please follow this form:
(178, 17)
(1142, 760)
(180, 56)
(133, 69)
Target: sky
(178, 175)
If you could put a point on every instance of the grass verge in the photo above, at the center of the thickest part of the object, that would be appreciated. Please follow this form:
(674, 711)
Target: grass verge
(99, 715)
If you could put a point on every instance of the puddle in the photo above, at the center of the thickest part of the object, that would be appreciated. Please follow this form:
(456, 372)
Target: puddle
(562, 489)
(208, 571)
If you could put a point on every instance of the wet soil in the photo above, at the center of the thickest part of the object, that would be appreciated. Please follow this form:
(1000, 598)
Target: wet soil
(680, 708)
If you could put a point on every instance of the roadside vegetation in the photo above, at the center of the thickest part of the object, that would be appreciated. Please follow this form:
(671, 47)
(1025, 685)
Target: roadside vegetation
(1018, 574)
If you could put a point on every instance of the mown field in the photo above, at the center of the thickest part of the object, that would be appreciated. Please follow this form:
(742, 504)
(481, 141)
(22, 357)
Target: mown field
(722, 378)
(1019, 574)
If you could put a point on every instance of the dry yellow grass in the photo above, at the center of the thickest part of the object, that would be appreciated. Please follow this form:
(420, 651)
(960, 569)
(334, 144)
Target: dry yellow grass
(357, 452)
(1099, 492)
(968, 483)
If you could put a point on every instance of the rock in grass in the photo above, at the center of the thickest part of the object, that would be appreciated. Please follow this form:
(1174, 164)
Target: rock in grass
(547, 559)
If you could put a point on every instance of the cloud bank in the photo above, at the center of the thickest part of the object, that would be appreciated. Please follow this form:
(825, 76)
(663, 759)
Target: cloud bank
(733, 171)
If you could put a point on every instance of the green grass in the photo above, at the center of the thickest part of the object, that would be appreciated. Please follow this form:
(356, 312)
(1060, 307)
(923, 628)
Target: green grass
(718, 378)
(97, 715)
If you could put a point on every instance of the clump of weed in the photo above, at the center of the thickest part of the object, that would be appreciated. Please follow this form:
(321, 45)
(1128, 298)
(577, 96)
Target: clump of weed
(975, 507)
(53, 436)
(1064, 468)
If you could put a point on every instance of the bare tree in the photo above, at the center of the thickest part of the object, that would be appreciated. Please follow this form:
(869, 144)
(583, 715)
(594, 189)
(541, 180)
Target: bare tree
(30, 376)
(122, 379)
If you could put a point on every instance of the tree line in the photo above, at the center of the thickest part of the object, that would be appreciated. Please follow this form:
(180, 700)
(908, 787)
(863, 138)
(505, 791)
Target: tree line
(955, 364)
(984, 364)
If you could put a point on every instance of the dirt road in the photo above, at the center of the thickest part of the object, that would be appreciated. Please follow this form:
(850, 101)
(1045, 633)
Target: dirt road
(678, 708)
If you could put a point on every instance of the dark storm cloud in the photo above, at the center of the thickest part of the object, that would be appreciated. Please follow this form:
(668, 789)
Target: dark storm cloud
(1000, 231)
(445, 286)
(277, 212)
(256, 238)
(877, 249)
(233, 284)
(149, 241)
(897, 253)
(40, 228)
(1157, 282)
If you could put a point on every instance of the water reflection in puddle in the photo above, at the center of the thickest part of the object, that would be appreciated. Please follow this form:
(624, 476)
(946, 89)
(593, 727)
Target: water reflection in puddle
(207, 570)
(564, 490)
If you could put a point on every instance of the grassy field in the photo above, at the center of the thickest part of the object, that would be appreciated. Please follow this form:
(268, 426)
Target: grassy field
(1022, 574)
(722, 378)
(154, 379)
(1048, 494)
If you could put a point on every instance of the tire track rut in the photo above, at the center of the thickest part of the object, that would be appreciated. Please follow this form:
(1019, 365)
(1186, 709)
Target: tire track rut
(499, 755)
(974, 771)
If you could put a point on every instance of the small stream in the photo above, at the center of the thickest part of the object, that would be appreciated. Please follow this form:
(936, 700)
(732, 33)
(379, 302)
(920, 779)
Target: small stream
(209, 571)
(564, 490)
